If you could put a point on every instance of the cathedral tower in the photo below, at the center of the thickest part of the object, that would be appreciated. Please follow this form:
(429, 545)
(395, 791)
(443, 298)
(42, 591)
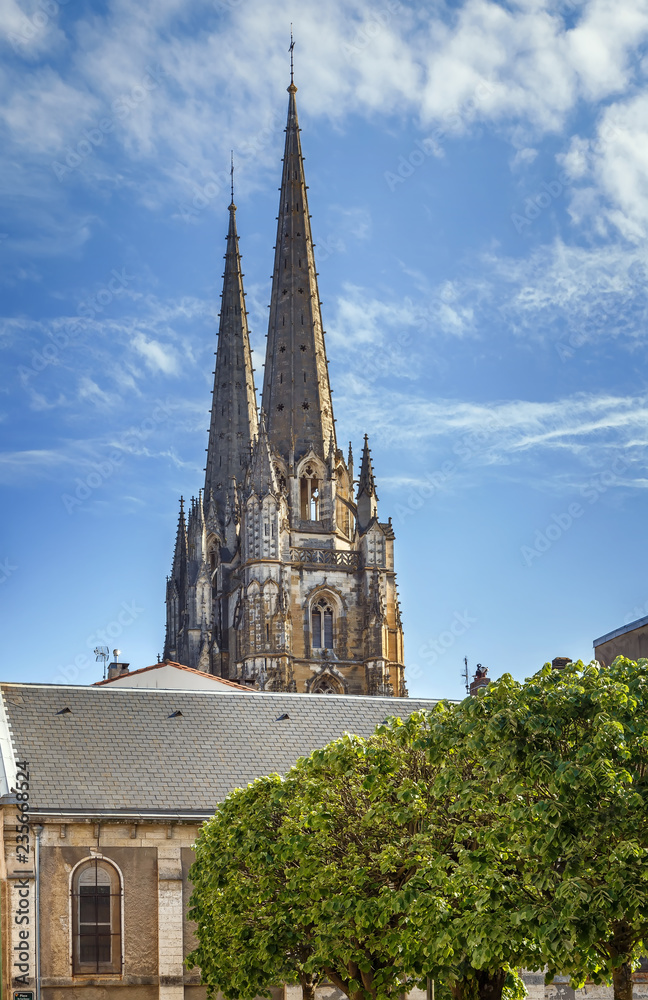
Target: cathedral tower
(282, 578)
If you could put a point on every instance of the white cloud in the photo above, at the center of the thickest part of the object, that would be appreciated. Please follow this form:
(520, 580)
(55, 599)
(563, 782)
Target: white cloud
(593, 429)
(518, 68)
(159, 357)
(45, 110)
(615, 169)
(523, 157)
(90, 392)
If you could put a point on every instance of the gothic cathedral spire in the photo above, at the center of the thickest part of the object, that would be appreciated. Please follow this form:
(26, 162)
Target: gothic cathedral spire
(296, 390)
(282, 578)
(233, 427)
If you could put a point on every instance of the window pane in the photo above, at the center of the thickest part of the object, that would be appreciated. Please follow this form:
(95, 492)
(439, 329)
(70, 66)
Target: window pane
(94, 904)
(103, 947)
(87, 949)
(317, 629)
(328, 628)
(94, 947)
(103, 910)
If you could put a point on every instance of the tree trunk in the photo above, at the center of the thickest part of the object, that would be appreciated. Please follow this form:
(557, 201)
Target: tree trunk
(490, 983)
(483, 984)
(308, 987)
(622, 979)
(621, 946)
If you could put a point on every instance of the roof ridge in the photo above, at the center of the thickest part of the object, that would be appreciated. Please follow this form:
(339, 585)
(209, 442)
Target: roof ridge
(177, 666)
(293, 695)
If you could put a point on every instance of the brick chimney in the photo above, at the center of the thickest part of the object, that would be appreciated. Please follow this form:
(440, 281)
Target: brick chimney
(117, 669)
(480, 679)
(560, 662)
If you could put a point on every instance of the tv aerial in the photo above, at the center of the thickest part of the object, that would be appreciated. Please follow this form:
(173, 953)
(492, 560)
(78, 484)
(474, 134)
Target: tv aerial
(466, 675)
(102, 653)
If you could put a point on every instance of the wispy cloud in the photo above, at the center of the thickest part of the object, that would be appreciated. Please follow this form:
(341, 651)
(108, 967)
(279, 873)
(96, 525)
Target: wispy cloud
(408, 60)
(584, 428)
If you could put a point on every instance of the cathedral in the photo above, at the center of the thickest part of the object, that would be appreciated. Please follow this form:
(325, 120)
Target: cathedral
(283, 575)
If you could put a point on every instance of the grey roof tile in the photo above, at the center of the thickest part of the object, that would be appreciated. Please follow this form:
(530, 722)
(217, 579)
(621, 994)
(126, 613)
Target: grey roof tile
(118, 750)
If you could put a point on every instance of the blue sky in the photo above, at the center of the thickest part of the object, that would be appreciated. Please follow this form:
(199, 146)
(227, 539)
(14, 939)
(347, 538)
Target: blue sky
(478, 180)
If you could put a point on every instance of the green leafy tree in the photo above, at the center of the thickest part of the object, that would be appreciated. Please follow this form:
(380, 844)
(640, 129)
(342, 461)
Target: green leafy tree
(250, 936)
(391, 872)
(568, 752)
(343, 869)
(351, 838)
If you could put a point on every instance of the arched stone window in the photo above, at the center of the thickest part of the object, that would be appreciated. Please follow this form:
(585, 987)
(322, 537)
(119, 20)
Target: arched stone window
(327, 684)
(96, 918)
(322, 617)
(310, 495)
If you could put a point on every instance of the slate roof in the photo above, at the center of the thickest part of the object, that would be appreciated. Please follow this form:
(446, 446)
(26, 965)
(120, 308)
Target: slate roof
(120, 751)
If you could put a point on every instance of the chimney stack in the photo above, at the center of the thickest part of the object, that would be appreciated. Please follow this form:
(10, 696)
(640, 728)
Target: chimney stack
(117, 669)
(480, 680)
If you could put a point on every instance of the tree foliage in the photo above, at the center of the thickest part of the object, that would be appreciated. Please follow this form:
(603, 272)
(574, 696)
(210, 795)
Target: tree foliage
(507, 831)
(569, 751)
(249, 934)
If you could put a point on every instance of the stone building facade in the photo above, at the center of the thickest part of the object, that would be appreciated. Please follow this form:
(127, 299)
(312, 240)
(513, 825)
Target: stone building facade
(283, 575)
(103, 790)
(629, 640)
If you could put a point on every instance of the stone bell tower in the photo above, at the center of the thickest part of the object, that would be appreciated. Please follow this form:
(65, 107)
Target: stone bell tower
(283, 577)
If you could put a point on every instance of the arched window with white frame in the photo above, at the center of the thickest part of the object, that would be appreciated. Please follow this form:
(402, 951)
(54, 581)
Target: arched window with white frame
(96, 892)
(322, 618)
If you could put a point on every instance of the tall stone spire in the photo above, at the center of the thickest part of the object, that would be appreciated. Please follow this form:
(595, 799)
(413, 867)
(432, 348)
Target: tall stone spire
(367, 500)
(296, 389)
(180, 550)
(262, 478)
(233, 427)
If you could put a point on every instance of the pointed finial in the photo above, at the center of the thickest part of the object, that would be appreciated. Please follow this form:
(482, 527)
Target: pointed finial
(181, 506)
(232, 205)
(292, 46)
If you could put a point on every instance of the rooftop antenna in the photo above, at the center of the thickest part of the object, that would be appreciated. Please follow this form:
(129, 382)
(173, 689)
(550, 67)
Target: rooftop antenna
(466, 676)
(102, 653)
(292, 46)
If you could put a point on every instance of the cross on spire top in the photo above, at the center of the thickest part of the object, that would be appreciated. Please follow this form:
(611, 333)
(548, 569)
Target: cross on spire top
(291, 48)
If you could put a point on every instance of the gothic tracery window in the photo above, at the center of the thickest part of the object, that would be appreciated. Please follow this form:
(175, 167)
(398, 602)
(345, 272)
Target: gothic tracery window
(326, 685)
(322, 624)
(310, 495)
